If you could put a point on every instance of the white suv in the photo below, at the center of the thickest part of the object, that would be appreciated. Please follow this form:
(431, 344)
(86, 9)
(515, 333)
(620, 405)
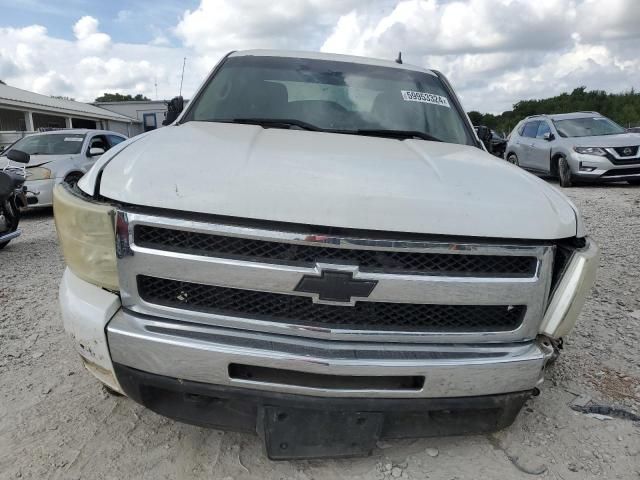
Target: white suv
(582, 146)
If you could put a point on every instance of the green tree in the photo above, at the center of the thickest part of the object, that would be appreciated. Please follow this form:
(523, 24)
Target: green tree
(2, 83)
(475, 117)
(623, 108)
(118, 97)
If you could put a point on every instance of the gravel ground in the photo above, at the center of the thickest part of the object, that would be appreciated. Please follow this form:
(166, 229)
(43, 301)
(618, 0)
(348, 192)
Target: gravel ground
(57, 422)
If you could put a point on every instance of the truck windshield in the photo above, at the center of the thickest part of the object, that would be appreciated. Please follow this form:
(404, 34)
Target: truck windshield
(330, 96)
(50, 144)
(587, 127)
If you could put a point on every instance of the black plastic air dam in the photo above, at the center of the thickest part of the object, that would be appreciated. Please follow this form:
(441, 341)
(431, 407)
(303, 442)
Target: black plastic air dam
(350, 426)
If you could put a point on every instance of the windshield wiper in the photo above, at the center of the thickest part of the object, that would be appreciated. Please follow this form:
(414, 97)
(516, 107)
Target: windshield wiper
(273, 123)
(397, 134)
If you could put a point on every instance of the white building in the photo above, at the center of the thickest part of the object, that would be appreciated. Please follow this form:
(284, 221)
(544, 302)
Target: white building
(149, 113)
(23, 112)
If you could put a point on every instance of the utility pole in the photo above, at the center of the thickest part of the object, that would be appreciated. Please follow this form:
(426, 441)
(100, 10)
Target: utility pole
(182, 77)
(156, 85)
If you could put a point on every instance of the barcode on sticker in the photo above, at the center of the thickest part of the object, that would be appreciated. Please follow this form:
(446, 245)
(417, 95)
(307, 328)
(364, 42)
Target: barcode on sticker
(410, 96)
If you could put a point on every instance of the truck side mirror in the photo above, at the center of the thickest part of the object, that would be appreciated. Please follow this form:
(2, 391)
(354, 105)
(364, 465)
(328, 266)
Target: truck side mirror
(174, 109)
(18, 156)
(548, 136)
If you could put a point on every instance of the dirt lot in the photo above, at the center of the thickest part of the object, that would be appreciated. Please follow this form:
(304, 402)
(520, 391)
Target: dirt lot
(57, 422)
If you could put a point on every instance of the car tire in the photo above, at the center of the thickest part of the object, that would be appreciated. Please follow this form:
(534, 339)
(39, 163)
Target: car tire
(513, 159)
(634, 181)
(72, 178)
(4, 244)
(564, 173)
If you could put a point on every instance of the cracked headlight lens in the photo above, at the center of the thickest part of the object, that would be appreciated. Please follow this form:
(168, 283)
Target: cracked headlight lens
(86, 231)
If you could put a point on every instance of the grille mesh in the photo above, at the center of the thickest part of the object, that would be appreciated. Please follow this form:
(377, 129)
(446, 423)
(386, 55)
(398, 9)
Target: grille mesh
(301, 310)
(630, 151)
(308, 255)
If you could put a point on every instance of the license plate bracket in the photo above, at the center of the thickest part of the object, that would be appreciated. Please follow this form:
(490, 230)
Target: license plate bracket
(295, 433)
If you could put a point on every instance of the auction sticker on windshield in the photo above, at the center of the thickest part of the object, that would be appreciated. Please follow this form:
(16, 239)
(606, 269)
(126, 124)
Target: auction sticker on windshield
(72, 139)
(410, 96)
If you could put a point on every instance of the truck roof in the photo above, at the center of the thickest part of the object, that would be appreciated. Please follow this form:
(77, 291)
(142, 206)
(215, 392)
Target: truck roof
(331, 56)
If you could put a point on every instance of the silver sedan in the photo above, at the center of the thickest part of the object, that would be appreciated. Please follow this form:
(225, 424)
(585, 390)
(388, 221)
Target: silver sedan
(60, 156)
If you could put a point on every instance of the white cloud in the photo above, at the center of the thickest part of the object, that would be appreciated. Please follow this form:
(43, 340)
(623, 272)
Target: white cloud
(33, 60)
(495, 52)
(89, 38)
(124, 15)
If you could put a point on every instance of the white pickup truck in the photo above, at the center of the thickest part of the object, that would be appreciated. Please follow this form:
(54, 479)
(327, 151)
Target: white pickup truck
(319, 250)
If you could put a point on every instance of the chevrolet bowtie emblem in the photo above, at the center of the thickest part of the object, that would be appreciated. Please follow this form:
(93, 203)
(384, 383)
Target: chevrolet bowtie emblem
(335, 286)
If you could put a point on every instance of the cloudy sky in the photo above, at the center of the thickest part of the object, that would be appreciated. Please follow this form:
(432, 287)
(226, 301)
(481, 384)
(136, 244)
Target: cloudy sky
(495, 52)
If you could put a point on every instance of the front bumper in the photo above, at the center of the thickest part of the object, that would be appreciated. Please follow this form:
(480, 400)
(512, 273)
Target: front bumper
(184, 372)
(214, 355)
(297, 426)
(40, 192)
(592, 168)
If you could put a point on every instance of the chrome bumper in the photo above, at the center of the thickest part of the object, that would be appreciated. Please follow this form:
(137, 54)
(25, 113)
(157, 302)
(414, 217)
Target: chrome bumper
(203, 353)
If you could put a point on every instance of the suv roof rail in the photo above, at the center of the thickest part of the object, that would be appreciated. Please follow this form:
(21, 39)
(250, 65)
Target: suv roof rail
(568, 113)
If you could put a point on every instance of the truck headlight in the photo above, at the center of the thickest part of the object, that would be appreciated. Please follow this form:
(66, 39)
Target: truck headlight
(87, 237)
(570, 294)
(38, 173)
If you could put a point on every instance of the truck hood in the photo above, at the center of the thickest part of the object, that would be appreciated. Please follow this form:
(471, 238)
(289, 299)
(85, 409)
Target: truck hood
(331, 179)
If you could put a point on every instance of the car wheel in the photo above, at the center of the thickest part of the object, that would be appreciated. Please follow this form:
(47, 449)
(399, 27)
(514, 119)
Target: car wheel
(73, 178)
(4, 244)
(634, 181)
(564, 172)
(513, 158)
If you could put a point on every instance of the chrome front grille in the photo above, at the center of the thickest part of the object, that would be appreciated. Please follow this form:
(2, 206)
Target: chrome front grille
(247, 277)
(391, 261)
(294, 309)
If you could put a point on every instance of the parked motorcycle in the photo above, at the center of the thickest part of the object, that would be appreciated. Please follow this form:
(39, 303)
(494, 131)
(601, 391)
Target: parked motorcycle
(12, 195)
